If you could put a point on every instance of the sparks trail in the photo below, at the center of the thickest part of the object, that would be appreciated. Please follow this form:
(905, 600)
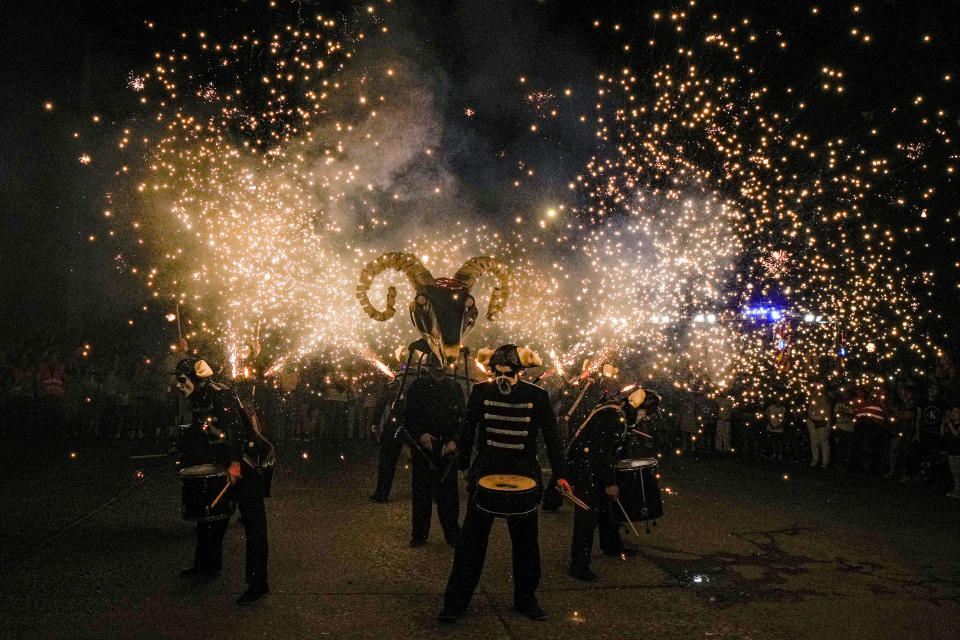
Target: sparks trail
(275, 165)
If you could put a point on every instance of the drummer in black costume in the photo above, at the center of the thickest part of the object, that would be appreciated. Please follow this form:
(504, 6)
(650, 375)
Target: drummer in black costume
(503, 419)
(218, 435)
(602, 384)
(592, 456)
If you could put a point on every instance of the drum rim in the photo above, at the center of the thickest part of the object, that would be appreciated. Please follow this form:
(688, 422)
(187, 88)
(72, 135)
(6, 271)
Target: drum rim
(219, 470)
(506, 515)
(532, 493)
(649, 462)
(230, 506)
(532, 487)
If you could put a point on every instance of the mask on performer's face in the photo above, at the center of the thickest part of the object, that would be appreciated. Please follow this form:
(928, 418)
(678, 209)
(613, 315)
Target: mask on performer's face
(435, 367)
(506, 378)
(184, 386)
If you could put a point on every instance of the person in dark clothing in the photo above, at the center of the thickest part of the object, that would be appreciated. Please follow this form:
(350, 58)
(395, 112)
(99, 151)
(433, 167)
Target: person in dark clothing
(591, 465)
(504, 418)
(434, 412)
(219, 435)
(594, 390)
(390, 444)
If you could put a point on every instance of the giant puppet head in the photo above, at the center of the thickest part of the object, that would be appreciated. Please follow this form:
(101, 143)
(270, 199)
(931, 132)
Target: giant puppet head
(443, 310)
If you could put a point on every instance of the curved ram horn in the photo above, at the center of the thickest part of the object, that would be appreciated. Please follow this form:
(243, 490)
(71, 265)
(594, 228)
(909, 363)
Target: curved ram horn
(471, 271)
(406, 262)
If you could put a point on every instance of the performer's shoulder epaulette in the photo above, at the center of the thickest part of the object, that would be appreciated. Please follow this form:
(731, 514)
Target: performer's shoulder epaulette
(529, 387)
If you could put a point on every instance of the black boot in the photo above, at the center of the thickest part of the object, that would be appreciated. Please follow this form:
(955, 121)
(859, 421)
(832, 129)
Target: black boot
(194, 572)
(583, 573)
(447, 615)
(253, 593)
(532, 610)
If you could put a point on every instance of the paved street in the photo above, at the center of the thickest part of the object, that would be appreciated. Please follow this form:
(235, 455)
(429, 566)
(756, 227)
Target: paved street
(92, 551)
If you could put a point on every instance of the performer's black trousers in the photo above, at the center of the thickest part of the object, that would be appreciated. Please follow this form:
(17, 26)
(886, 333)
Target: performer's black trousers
(209, 554)
(472, 551)
(585, 523)
(390, 447)
(426, 485)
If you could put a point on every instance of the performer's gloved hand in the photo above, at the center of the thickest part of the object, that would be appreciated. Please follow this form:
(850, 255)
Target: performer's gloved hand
(612, 491)
(426, 441)
(233, 473)
(449, 448)
(564, 486)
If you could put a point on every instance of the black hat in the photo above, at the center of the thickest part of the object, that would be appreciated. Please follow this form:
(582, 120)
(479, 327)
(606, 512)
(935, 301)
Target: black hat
(506, 355)
(193, 368)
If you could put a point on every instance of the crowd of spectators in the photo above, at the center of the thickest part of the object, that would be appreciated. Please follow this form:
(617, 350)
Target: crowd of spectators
(317, 401)
(907, 430)
(47, 395)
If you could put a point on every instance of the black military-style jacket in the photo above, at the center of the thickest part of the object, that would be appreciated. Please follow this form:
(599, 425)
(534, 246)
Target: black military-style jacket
(218, 433)
(504, 429)
(593, 453)
(594, 390)
(435, 407)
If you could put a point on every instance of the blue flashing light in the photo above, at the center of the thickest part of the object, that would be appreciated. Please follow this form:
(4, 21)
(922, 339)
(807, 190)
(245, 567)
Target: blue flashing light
(842, 353)
(766, 314)
(781, 344)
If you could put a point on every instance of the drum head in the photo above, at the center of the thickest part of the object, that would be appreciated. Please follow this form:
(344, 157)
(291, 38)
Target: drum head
(637, 463)
(505, 482)
(202, 471)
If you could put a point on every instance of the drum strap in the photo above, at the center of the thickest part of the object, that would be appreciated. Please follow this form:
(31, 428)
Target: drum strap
(579, 399)
(587, 421)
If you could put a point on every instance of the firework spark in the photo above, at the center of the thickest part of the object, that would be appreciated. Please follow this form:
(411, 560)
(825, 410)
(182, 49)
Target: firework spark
(267, 186)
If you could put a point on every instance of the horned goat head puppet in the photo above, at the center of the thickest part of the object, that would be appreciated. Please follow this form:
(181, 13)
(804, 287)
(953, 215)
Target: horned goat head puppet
(443, 309)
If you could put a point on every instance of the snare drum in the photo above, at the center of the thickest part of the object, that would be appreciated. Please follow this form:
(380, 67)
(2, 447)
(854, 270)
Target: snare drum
(199, 487)
(507, 495)
(639, 491)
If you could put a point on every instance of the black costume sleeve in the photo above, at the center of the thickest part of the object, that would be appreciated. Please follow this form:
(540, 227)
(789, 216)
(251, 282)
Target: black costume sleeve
(230, 422)
(456, 421)
(551, 436)
(469, 432)
(415, 409)
(608, 437)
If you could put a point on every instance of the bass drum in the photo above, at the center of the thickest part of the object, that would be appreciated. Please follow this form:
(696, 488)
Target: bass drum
(507, 495)
(639, 491)
(199, 487)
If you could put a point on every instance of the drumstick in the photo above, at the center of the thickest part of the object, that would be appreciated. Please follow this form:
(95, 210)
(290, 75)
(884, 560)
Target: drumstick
(574, 499)
(220, 495)
(629, 521)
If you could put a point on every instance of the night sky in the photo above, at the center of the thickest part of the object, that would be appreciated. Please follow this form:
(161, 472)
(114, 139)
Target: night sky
(79, 57)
